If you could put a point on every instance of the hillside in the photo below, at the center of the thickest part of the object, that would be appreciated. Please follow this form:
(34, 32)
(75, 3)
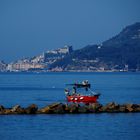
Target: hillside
(121, 52)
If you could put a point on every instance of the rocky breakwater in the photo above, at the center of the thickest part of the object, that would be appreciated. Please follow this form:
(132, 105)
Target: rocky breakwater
(61, 108)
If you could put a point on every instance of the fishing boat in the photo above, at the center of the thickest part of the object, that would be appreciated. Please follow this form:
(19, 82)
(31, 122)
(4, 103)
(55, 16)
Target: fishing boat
(74, 94)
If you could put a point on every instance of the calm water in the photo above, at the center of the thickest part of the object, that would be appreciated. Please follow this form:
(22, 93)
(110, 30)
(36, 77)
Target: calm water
(43, 89)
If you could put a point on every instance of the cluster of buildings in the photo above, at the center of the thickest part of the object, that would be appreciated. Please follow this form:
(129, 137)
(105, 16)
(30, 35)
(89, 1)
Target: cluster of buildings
(44, 62)
(65, 50)
(36, 63)
(24, 66)
(20, 65)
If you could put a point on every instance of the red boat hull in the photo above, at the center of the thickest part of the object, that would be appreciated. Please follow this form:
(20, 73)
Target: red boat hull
(84, 99)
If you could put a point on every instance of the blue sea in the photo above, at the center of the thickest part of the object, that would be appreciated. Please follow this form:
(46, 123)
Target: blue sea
(46, 88)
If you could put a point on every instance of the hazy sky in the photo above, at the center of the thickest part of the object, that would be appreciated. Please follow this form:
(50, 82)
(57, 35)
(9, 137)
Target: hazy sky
(29, 27)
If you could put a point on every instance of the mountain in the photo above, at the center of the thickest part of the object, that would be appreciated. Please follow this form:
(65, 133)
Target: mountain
(121, 52)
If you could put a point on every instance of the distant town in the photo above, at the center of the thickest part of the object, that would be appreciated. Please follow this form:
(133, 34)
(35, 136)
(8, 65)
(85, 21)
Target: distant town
(37, 63)
(121, 53)
(43, 62)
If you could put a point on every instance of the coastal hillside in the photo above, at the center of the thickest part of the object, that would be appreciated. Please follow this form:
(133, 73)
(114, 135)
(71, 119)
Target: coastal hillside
(120, 53)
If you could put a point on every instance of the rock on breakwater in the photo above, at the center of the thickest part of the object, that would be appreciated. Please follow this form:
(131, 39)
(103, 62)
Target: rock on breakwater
(72, 108)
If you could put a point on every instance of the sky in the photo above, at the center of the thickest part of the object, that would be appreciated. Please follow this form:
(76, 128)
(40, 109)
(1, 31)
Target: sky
(30, 27)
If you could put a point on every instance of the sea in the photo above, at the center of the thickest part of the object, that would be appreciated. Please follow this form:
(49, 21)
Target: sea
(46, 88)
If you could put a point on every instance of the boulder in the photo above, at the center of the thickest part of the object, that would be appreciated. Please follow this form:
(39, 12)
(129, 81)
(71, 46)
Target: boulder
(7, 111)
(17, 110)
(111, 107)
(2, 109)
(136, 107)
(60, 109)
(83, 109)
(72, 108)
(133, 107)
(122, 108)
(129, 107)
(54, 105)
(32, 109)
(94, 107)
(44, 110)
(53, 108)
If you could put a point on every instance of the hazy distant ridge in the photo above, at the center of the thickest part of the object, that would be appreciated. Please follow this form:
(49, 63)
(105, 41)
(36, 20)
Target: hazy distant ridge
(121, 52)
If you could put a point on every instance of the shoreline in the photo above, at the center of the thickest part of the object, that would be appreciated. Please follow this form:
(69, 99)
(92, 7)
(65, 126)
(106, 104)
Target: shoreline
(42, 72)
